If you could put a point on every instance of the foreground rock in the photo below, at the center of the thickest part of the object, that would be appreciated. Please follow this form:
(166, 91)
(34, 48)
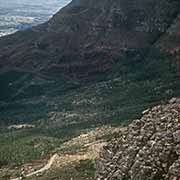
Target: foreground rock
(148, 150)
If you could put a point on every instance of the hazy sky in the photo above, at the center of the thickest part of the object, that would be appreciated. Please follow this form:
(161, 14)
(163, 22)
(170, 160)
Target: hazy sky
(47, 3)
(31, 2)
(20, 14)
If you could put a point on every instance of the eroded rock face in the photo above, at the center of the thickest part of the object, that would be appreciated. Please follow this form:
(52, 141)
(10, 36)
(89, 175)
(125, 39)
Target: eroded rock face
(148, 150)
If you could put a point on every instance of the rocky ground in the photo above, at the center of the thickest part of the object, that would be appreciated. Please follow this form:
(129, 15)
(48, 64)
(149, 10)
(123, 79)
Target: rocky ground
(148, 150)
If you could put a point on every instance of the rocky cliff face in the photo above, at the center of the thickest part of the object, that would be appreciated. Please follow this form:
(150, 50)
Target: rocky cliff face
(87, 42)
(148, 149)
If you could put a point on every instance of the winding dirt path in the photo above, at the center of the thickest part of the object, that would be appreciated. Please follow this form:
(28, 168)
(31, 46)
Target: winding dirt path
(45, 168)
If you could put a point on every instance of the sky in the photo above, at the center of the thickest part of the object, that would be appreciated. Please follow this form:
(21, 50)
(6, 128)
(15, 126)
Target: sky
(48, 6)
(10, 3)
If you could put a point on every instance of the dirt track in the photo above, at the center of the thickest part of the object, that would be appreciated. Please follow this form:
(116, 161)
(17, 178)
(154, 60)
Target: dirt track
(45, 168)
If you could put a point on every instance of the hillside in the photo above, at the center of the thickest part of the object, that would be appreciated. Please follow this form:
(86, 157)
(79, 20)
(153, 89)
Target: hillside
(22, 14)
(110, 46)
(93, 63)
(73, 159)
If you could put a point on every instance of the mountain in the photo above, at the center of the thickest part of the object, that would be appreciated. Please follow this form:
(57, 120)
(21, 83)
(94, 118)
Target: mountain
(94, 63)
(92, 60)
(126, 51)
(147, 149)
(88, 43)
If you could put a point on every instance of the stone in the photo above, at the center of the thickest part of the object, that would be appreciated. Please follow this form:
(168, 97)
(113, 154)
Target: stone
(173, 100)
(176, 136)
(149, 151)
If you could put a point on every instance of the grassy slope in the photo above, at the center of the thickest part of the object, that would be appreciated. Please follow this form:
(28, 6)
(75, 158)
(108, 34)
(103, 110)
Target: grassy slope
(59, 116)
(136, 80)
(76, 157)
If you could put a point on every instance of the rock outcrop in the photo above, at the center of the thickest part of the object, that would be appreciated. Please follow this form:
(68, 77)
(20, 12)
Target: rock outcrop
(148, 150)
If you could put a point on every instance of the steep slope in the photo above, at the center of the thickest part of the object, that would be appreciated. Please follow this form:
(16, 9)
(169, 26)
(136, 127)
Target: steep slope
(127, 47)
(86, 34)
(149, 149)
(74, 159)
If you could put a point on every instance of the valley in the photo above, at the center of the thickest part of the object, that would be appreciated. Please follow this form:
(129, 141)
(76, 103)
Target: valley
(20, 15)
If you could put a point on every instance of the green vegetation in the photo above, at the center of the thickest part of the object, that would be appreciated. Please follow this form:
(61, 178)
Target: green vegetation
(137, 80)
(82, 170)
(22, 146)
(15, 151)
(76, 156)
(132, 85)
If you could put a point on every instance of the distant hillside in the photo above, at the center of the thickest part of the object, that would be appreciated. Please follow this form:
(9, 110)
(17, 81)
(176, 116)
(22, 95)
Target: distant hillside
(22, 14)
(97, 61)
